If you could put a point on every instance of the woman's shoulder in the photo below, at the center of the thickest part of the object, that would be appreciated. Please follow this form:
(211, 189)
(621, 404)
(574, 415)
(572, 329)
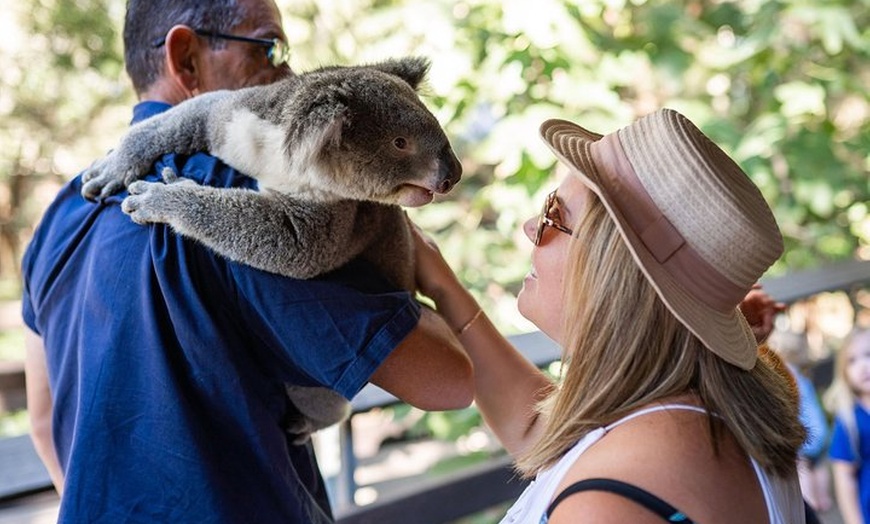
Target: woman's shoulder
(652, 445)
(670, 454)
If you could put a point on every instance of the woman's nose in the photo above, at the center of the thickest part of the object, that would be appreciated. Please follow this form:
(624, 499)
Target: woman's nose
(530, 228)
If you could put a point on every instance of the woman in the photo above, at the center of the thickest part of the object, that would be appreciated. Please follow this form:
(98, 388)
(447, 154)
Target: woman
(641, 259)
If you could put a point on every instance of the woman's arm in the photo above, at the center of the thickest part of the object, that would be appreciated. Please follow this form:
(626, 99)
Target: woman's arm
(506, 385)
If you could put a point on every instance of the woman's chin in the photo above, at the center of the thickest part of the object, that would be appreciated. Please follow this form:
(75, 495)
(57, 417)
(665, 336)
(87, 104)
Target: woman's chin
(541, 319)
(522, 300)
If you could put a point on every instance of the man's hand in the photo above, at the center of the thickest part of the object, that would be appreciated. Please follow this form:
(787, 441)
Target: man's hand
(760, 309)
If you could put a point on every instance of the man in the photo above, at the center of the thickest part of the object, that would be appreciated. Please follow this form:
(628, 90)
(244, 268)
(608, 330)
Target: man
(155, 368)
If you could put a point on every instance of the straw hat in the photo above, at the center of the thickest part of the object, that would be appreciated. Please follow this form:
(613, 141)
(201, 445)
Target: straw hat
(696, 225)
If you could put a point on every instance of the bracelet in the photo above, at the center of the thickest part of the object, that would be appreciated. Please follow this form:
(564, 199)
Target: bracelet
(468, 324)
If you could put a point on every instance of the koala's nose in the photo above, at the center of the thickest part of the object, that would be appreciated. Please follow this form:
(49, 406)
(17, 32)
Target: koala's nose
(450, 170)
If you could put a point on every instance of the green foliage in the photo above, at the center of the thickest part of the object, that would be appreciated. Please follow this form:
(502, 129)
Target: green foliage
(458, 463)
(62, 97)
(83, 36)
(452, 425)
(14, 424)
(780, 85)
(12, 344)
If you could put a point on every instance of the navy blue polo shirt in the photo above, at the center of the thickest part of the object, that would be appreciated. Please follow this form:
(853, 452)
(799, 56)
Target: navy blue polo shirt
(167, 362)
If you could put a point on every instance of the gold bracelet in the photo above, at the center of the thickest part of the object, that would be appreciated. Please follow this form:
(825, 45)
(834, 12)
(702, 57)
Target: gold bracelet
(468, 324)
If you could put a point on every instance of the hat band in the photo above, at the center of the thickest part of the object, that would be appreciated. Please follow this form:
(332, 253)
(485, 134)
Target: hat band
(658, 235)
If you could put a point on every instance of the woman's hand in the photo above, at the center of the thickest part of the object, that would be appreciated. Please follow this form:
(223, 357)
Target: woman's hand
(510, 412)
(437, 281)
(433, 274)
(759, 308)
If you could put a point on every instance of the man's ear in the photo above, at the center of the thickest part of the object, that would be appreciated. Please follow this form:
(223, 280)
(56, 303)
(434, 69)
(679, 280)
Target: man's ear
(183, 49)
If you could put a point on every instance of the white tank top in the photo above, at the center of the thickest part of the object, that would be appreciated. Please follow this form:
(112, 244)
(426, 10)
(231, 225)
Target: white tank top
(781, 495)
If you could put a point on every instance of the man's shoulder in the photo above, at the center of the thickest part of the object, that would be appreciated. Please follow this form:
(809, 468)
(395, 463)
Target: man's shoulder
(201, 167)
(204, 169)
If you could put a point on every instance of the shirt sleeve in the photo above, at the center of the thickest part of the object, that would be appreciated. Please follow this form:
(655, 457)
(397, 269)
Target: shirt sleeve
(326, 332)
(333, 331)
(27, 312)
(813, 418)
(841, 448)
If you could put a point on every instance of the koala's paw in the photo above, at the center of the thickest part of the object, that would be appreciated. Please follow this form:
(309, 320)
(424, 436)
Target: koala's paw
(154, 202)
(109, 175)
(301, 429)
(317, 408)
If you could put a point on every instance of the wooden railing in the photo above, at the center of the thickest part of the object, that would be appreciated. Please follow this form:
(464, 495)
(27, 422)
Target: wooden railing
(451, 496)
(445, 498)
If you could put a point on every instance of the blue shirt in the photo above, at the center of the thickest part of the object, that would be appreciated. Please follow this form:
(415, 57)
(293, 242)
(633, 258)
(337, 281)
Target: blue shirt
(167, 362)
(842, 449)
(812, 416)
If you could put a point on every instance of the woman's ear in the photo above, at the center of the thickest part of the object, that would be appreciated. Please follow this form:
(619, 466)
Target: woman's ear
(183, 48)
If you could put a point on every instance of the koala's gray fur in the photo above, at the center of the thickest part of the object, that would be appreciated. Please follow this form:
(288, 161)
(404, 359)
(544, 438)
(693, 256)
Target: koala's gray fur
(335, 152)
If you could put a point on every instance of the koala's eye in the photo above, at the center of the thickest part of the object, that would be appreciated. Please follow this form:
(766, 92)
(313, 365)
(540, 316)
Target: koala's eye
(400, 143)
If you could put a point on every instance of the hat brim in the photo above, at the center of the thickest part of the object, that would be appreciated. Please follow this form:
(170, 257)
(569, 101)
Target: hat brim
(726, 333)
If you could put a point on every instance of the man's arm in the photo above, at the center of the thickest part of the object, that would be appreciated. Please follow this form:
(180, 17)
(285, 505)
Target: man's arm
(429, 369)
(39, 406)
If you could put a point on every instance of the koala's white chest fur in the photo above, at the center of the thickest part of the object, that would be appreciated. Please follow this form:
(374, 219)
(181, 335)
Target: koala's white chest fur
(256, 146)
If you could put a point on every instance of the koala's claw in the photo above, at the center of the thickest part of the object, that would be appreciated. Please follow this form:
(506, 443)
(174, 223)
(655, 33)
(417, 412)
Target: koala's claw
(300, 430)
(100, 187)
(169, 175)
(140, 187)
(109, 175)
(150, 202)
(144, 202)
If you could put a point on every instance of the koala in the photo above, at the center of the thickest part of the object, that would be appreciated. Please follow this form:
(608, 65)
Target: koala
(335, 151)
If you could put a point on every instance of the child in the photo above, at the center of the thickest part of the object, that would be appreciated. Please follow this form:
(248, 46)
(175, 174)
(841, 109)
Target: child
(813, 468)
(850, 444)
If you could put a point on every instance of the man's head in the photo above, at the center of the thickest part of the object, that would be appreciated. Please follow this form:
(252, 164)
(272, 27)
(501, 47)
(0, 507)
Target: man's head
(169, 58)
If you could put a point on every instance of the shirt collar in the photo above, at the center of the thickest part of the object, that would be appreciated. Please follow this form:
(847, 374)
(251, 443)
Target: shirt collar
(147, 109)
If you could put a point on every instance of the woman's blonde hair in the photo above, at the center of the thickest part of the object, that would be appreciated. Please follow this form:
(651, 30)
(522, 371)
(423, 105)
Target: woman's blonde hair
(624, 349)
(841, 397)
(841, 362)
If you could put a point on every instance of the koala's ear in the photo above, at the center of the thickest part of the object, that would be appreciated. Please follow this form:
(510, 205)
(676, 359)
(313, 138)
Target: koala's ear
(332, 126)
(411, 69)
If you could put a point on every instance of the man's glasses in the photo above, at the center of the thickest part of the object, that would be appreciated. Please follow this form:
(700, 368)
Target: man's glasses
(277, 51)
(550, 217)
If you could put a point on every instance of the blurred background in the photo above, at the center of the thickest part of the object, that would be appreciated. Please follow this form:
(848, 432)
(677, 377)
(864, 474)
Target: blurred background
(780, 85)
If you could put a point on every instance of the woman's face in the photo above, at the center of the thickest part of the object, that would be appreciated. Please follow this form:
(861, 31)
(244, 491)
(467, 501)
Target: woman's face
(540, 299)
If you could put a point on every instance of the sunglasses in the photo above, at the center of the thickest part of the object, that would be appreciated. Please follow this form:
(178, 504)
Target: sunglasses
(277, 52)
(550, 217)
